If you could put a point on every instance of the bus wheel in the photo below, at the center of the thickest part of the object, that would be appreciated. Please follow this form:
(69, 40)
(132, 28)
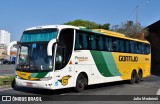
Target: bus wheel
(80, 83)
(139, 77)
(133, 77)
(13, 84)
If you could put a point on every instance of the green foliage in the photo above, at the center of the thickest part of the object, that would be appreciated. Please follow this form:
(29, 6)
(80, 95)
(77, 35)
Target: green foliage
(6, 80)
(88, 24)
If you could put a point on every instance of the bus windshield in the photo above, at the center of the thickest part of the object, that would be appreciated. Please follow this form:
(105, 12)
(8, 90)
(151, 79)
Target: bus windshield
(33, 57)
(32, 54)
(39, 35)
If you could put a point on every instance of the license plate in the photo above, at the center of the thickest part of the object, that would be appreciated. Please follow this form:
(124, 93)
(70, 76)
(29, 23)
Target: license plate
(29, 84)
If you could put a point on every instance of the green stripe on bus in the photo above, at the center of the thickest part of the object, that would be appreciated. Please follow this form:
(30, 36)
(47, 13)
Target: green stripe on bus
(109, 60)
(33, 75)
(100, 63)
(41, 74)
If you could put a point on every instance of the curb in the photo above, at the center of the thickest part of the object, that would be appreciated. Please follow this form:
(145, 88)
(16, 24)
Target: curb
(5, 86)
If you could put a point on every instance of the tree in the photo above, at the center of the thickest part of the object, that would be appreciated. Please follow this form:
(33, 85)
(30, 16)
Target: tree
(88, 24)
(130, 29)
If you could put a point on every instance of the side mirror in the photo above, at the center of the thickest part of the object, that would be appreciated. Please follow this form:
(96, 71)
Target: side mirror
(16, 46)
(14, 43)
(49, 47)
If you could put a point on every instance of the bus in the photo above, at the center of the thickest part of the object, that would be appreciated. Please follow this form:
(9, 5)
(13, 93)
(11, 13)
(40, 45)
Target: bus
(63, 56)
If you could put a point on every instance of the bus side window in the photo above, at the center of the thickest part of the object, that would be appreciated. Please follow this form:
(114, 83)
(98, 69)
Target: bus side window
(117, 44)
(110, 44)
(106, 41)
(100, 43)
(143, 49)
(147, 49)
(139, 48)
(93, 42)
(121, 46)
(127, 46)
(89, 41)
(135, 47)
(97, 42)
(85, 42)
(80, 41)
(77, 46)
(113, 45)
(132, 46)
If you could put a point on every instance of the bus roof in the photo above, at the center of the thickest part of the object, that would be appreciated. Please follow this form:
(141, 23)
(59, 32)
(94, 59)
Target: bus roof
(113, 34)
(119, 35)
(98, 31)
(52, 26)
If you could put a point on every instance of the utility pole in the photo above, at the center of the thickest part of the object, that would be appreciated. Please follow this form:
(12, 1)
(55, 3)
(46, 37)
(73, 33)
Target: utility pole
(137, 19)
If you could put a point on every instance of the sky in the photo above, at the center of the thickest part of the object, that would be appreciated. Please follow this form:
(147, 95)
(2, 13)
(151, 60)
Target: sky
(18, 15)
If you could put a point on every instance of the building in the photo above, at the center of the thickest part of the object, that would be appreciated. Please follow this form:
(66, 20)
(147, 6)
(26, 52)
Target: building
(2, 46)
(154, 39)
(4, 42)
(4, 37)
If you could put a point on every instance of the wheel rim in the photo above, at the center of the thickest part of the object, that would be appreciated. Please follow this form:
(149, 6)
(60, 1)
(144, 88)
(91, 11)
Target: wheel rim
(81, 83)
(140, 75)
(133, 77)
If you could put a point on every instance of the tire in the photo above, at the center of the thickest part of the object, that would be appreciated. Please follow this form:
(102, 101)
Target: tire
(133, 77)
(80, 83)
(13, 84)
(139, 77)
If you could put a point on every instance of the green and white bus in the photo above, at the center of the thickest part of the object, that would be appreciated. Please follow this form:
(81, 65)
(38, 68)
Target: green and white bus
(62, 56)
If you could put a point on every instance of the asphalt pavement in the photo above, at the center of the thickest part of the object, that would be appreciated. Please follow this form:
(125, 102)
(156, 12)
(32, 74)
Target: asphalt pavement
(149, 86)
(7, 70)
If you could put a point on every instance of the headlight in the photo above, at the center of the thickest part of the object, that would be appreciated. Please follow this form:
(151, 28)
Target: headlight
(18, 77)
(45, 78)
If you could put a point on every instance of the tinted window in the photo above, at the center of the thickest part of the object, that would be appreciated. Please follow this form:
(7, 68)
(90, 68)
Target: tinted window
(121, 45)
(100, 43)
(92, 41)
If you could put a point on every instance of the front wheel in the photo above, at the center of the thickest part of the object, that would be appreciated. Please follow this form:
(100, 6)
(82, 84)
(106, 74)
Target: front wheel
(80, 83)
(13, 84)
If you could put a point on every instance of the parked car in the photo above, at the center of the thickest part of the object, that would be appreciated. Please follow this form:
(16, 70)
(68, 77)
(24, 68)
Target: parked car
(4, 61)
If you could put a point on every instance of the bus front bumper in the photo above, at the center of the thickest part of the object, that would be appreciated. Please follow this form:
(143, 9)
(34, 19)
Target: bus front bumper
(34, 84)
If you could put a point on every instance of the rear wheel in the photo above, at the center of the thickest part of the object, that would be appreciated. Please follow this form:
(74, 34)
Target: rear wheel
(139, 77)
(80, 83)
(133, 77)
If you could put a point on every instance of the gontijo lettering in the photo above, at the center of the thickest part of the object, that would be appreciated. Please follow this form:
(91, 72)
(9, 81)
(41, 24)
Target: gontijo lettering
(128, 58)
